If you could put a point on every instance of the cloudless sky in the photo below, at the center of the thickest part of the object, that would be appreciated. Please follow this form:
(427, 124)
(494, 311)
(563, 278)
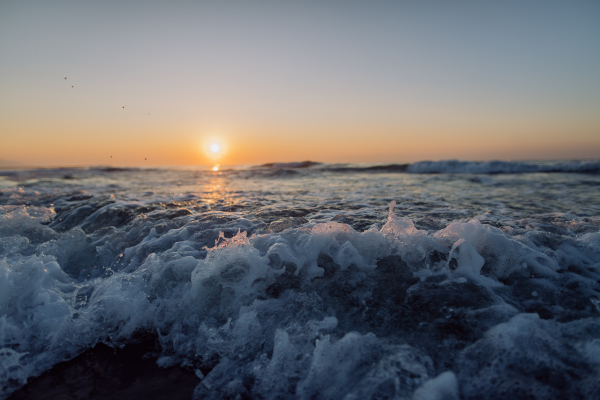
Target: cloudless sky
(276, 81)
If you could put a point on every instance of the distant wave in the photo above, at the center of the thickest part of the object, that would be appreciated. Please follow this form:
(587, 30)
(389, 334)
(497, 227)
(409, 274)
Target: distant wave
(301, 164)
(447, 167)
(370, 168)
(502, 167)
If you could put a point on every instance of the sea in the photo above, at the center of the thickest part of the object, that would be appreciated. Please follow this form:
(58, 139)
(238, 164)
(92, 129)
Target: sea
(430, 280)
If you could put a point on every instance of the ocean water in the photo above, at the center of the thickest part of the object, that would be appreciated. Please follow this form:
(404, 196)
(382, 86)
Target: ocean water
(434, 280)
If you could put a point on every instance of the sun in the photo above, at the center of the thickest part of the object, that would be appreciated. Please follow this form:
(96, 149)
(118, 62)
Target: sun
(214, 148)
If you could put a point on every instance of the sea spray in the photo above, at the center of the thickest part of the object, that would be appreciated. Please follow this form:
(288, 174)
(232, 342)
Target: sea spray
(349, 297)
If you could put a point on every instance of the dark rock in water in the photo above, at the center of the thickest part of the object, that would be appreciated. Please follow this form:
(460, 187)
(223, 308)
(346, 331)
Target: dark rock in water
(104, 372)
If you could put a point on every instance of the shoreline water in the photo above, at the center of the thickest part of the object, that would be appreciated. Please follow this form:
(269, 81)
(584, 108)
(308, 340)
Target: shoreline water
(298, 282)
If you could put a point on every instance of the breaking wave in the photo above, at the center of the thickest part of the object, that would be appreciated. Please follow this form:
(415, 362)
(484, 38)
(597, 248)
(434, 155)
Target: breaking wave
(443, 167)
(307, 310)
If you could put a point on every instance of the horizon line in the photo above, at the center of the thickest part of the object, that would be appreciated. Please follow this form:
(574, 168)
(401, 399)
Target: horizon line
(100, 166)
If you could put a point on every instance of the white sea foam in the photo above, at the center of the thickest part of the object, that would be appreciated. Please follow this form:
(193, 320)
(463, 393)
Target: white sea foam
(317, 309)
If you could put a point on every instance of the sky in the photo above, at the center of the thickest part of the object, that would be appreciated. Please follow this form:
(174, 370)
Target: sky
(153, 83)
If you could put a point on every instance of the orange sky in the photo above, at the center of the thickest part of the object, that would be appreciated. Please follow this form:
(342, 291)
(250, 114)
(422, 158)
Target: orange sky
(359, 83)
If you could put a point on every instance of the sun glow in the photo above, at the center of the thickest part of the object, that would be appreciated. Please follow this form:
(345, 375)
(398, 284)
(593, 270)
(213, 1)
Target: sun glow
(214, 149)
(215, 168)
